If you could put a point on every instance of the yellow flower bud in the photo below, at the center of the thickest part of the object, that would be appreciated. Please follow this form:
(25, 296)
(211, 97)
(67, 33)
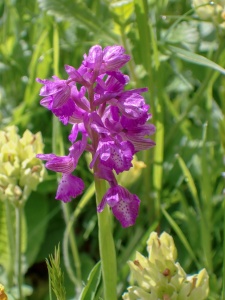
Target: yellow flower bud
(162, 247)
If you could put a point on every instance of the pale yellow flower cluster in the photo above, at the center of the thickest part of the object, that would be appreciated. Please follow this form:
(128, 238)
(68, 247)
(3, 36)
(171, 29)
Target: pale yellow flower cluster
(20, 170)
(159, 276)
(211, 11)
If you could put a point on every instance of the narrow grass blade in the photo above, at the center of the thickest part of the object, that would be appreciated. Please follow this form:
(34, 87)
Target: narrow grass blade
(181, 236)
(190, 182)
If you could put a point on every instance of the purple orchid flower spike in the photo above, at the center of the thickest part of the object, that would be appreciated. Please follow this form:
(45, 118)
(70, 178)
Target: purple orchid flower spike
(112, 122)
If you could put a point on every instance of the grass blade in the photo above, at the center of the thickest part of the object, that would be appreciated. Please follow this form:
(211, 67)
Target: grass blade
(181, 236)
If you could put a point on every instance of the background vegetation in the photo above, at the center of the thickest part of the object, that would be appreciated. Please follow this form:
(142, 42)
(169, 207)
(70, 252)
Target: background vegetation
(180, 58)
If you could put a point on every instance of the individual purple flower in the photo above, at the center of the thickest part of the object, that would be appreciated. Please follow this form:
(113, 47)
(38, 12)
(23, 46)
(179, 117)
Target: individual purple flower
(75, 76)
(114, 58)
(79, 98)
(125, 206)
(65, 164)
(111, 58)
(112, 123)
(109, 88)
(94, 58)
(58, 90)
(133, 107)
(114, 153)
(69, 187)
(128, 129)
(139, 136)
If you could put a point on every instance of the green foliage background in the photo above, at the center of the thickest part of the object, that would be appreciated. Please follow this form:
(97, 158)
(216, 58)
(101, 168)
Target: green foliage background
(180, 58)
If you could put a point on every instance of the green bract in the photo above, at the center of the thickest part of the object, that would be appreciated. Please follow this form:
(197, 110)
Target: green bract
(160, 277)
(20, 170)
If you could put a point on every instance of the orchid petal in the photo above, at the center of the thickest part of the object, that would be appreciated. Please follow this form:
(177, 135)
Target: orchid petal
(124, 205)
(69, 187)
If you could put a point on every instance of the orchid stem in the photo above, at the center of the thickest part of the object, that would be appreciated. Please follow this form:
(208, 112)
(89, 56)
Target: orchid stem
(106, 245)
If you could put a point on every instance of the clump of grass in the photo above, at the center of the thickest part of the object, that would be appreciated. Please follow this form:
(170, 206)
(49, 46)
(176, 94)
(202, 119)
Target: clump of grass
(56, 276)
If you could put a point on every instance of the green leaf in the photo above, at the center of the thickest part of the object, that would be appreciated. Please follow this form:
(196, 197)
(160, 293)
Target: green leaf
(195, 58)
(181, 236)
(186, 34)
(90, 289)
(123, 9)
(36, 210)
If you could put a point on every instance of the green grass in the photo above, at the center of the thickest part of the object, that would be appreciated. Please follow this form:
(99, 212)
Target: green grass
(180, 58)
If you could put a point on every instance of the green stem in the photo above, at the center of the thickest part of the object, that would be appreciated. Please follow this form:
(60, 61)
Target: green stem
(19, 277)
(10, 232)
(106, 245)
(49, 286)
(206, 193)
(158, 159)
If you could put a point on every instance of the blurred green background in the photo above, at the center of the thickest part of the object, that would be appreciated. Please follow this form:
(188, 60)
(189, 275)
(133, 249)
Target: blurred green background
(178, 53)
